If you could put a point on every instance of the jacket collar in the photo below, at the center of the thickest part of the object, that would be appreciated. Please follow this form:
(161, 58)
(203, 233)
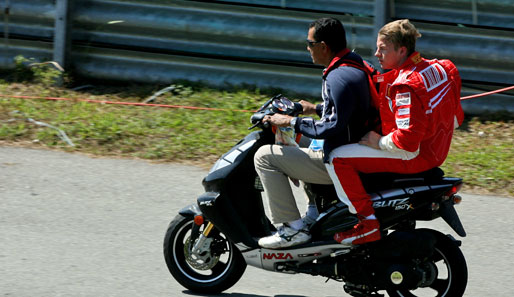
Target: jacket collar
(336, 61)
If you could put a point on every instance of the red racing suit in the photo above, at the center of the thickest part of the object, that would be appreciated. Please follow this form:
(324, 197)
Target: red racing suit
(419, 109)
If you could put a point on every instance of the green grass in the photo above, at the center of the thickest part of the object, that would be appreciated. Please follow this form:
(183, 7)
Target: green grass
(481, 153)
(130, 131)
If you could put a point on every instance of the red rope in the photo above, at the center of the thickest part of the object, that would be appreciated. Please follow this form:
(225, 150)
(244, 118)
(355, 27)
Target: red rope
(194, 107)
(123, 103)
(487, 93)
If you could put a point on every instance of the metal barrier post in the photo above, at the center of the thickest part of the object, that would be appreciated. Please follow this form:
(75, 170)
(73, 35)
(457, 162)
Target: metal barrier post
(6, 26)
(382, 15)
(61, 33)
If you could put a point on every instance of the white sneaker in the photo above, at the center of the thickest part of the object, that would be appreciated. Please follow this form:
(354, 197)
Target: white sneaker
(285, 237)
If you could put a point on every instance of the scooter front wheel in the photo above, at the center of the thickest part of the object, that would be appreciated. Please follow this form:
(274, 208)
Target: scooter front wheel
(212, 270)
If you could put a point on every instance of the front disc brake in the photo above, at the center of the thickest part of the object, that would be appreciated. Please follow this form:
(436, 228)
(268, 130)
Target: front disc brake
(204, 260)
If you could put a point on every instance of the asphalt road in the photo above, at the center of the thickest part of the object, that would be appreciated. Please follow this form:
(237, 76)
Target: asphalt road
(71, 225)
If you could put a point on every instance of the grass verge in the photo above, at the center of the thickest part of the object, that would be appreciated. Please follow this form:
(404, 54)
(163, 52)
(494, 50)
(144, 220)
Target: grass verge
(481, 152)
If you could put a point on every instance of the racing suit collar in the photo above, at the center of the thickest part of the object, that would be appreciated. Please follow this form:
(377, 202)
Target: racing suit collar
(412, 60)
(335, 61)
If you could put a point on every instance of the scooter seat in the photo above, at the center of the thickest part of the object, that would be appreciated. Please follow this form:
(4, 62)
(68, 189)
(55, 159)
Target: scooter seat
(374, 182)
(382, 180)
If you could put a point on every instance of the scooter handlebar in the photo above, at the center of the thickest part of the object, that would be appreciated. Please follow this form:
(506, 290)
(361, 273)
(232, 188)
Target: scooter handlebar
(277, 104)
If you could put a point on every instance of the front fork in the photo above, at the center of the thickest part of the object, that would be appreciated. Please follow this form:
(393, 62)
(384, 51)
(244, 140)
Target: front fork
(204, 241)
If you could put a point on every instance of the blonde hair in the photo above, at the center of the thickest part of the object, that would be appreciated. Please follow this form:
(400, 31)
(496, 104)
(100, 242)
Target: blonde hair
(401, 33)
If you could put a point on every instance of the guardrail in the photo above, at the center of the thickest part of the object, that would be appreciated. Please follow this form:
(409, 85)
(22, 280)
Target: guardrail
(492, 13)
(254, 42)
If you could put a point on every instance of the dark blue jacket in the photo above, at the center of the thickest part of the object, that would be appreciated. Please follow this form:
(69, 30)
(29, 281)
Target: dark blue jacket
(344, 110)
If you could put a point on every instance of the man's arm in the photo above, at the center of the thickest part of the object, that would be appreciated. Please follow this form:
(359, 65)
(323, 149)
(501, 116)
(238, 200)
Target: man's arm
(411, 123)
(339, 105)
(411, 120)
(308, 108)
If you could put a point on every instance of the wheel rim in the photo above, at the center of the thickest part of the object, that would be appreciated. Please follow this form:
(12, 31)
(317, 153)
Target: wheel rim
(214, 267)
(440, 286)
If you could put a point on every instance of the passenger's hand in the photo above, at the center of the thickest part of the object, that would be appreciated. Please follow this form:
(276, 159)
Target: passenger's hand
(308, 108)
(371, 139)
(278, 120)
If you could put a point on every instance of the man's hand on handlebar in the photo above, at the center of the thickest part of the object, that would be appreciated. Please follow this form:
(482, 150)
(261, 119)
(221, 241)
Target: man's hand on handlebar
(308, 108)
(278, 120)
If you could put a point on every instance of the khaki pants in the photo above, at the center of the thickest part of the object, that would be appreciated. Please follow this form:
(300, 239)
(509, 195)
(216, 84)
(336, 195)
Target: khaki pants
(275, 164)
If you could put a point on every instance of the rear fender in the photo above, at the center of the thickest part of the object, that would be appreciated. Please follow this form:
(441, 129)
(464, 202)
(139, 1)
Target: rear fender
(450, 216)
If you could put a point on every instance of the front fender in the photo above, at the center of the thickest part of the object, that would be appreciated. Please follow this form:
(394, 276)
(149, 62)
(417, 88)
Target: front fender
(191, 210)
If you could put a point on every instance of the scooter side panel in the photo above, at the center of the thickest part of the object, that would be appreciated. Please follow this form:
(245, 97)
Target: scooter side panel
(274, 260)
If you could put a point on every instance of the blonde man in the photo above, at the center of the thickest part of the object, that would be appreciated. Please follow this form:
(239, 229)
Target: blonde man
(419, 107)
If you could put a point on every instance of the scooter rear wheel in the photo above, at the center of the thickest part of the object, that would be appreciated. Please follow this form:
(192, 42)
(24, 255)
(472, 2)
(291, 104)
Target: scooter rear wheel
(452, 272)
(211, 272)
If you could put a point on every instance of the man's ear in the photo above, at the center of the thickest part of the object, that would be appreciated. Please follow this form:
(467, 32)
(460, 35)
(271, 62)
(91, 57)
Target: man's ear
(325, 46)
(404, 51)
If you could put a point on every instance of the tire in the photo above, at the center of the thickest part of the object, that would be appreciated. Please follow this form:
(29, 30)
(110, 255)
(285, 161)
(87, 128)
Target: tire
(452, 272)
(210, 275)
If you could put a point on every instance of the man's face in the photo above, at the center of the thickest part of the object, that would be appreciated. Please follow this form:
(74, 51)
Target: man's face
(388, 56)
(315, 48)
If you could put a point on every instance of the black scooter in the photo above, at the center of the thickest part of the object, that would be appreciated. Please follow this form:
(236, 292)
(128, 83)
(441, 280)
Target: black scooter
(208, 245)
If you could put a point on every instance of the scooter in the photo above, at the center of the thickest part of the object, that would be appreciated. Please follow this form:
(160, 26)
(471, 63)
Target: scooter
(209, 244)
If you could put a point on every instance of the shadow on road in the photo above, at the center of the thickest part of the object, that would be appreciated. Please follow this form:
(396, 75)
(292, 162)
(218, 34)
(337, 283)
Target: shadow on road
(187, 292)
